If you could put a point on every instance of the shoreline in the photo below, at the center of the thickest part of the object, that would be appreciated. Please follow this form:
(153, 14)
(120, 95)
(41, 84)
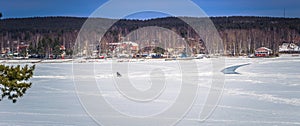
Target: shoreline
(37, 61)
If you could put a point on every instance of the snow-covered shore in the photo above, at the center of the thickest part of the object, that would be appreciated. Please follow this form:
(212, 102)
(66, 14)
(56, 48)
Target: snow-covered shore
(35, 61)
(230, 59)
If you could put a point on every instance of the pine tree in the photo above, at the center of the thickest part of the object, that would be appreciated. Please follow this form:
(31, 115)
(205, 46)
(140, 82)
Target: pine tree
(14, 81)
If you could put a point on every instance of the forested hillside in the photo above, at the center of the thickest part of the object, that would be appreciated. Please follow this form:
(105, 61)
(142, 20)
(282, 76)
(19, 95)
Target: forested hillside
(241, 35)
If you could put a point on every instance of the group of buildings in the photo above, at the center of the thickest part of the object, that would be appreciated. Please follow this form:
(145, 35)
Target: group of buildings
(129, 49)
(17, 50)
(284, 48)
(133, 48)
(21, 50)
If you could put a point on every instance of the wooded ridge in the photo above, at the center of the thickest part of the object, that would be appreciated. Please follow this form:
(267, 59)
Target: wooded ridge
(240, 35)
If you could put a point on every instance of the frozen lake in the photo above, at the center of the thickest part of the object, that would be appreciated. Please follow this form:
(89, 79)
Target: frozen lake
(265, 92)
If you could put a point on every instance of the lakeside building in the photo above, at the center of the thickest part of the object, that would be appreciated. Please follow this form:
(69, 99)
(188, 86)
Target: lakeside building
(289, 48)
(124, 49)
(263, 52)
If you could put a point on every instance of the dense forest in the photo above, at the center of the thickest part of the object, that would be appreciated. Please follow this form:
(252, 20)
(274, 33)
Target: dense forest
(240, 35)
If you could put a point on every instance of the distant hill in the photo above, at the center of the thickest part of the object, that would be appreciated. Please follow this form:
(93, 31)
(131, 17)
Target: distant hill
(241, 35)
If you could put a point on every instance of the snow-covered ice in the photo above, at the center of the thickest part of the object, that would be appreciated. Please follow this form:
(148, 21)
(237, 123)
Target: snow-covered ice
(265, 92)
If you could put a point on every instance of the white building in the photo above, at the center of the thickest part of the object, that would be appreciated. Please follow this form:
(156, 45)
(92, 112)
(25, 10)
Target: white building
(289, 47)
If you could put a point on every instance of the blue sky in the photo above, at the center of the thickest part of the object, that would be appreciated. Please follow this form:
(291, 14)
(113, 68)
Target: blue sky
(83, 8)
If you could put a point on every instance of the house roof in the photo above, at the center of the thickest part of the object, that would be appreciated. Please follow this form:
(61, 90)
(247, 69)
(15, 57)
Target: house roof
(263, 49)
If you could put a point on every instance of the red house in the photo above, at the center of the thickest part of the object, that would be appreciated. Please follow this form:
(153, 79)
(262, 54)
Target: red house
(263, 52)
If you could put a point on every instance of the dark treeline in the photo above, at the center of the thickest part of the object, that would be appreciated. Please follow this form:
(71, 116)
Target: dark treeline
(247, 33)
(240, 35)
